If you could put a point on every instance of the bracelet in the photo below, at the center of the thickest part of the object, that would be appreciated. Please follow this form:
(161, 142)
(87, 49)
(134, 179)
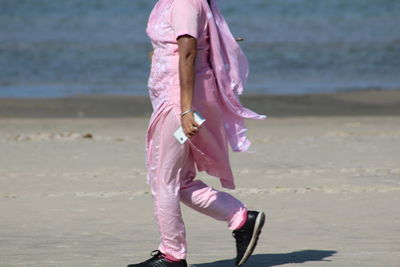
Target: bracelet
(186, 112)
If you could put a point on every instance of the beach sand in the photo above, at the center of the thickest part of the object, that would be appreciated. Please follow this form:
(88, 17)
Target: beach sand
(324, 168)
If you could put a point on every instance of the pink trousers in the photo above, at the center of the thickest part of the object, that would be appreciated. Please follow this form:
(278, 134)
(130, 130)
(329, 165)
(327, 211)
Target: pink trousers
(172, 181)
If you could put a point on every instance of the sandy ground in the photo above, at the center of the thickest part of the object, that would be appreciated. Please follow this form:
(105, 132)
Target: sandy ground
(73, 193)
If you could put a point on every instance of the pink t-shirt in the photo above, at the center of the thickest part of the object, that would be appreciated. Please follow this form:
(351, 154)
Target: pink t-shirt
(168, 21)
(185, 18)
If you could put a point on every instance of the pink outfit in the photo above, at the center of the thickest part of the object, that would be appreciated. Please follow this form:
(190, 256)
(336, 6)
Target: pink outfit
(171, 165)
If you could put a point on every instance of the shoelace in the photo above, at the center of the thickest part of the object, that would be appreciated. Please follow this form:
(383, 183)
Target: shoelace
(156, 253)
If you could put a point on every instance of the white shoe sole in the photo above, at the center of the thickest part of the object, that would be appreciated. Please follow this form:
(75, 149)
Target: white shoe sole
(253, 242)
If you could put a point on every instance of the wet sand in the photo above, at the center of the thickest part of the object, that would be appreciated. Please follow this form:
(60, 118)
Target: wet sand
(348, 103)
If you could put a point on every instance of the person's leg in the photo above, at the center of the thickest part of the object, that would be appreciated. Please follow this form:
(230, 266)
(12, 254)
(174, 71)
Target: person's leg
(246, 225)
(164, 176)
(209, 201)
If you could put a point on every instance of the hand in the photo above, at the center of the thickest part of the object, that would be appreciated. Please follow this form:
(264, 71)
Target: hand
(189, 125)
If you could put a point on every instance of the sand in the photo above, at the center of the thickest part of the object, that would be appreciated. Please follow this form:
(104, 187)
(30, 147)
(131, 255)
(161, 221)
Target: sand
(73, 190)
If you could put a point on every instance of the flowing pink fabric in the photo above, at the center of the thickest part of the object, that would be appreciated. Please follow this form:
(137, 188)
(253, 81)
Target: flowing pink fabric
(231, 70)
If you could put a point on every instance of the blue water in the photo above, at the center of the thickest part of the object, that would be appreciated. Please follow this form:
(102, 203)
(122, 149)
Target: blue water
(55, 48)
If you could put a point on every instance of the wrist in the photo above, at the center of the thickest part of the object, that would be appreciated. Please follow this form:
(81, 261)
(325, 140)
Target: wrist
(186, 112)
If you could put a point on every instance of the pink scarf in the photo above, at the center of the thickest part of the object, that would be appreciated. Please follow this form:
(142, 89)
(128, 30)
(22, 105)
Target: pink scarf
(231, 70)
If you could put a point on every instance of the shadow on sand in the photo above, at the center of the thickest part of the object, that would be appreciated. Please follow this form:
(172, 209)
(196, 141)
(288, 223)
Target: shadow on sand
(266, 260)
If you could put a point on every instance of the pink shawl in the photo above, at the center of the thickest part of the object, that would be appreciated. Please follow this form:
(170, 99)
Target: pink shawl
(231, 70)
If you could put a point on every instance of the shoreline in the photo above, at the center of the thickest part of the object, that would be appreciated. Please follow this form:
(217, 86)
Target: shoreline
(347, 103)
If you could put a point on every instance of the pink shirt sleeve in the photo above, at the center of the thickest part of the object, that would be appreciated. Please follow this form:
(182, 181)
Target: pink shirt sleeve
(185, 18)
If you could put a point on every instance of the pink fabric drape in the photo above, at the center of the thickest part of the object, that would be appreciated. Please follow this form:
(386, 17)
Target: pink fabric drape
(231, 70)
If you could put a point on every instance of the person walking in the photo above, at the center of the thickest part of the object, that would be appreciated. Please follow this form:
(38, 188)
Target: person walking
(197, 66)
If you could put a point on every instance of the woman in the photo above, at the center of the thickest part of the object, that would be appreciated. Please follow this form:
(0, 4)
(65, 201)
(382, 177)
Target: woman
(196, 66)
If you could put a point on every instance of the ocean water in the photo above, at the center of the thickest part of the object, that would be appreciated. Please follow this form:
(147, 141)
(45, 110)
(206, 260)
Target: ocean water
(56, 48)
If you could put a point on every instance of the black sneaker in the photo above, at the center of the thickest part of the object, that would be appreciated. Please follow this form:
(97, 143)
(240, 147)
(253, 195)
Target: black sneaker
(158, 260)
(247, 235)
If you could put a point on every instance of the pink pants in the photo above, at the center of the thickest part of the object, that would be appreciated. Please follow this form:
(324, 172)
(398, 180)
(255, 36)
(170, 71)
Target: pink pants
(172, 180)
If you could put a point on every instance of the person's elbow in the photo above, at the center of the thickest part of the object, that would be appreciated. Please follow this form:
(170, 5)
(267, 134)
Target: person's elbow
(190, 56)
(187, 46)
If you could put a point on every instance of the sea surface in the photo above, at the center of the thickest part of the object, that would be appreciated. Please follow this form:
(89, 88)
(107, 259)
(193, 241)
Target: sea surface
(57, 48)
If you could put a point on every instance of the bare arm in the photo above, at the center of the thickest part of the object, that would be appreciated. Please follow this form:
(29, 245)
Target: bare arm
(187, 46)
